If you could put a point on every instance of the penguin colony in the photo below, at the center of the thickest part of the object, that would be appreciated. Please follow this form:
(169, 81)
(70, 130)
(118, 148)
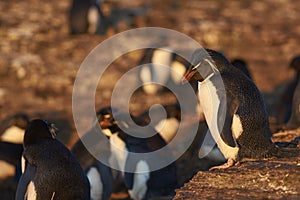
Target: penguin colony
(49, 169)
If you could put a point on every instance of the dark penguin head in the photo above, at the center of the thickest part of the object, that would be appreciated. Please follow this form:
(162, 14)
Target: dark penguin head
(241, 65)
(86, 17)
(205, 62)
(295, 64)
(38, 130)
(106, 120)
(20, 120)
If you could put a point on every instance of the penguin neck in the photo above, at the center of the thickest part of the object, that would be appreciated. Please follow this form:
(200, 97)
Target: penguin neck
(35, 140)
(206, 79)
(35, 136)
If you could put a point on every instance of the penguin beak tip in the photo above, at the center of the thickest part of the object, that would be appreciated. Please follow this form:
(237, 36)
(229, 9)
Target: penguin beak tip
(184, 80)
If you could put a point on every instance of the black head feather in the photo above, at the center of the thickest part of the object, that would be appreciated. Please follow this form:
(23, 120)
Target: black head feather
(38, 130)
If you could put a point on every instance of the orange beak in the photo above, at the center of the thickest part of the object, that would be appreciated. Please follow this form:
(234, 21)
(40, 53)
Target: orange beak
(187, 76)
(105, 123)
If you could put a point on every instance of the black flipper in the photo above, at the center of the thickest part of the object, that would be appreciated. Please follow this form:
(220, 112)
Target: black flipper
(227, 108)
(26, 177)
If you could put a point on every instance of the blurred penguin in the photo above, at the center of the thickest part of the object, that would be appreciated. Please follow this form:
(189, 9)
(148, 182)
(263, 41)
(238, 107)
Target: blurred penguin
(294, 121)
(284, 105)
(167, 127)
(11, 142)
(146, 185)
(86, 17)
(50, 170)
(99, 175)
(241, 65)
(153, 74)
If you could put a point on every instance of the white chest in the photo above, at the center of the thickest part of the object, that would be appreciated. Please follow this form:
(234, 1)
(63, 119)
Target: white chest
(211, 105)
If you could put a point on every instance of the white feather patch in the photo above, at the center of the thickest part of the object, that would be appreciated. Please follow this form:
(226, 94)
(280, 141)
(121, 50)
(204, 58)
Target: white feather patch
(95, 184)
(107, 132)
(119, 152)
(168, 128)
(178, 71)
(31, 192)
(237, 128)
(145, 74)
(161, 60)
(13, 134)
(211, 103)
(23, 163)
(93, 16)
(151, 89)
(140, 181)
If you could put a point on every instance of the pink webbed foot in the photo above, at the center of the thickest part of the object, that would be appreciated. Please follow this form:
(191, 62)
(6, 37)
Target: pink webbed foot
(230, 162)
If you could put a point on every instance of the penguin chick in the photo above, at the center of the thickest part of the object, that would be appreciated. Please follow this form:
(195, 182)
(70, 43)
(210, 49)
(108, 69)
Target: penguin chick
(50, 171)
(246, 132)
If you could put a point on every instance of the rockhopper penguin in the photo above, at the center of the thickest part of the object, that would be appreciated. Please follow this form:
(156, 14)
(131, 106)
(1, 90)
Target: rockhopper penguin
(50, 171)
(246, 132)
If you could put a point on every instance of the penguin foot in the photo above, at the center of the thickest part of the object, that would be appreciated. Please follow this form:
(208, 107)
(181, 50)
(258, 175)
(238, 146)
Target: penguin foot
(230, 162)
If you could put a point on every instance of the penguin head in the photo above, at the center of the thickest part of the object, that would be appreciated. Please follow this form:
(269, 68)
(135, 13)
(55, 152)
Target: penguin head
(106, 119)
(241, 65)
(205, 63)
(20, 120)
(295, 64)
(39, 129)
(202, 66)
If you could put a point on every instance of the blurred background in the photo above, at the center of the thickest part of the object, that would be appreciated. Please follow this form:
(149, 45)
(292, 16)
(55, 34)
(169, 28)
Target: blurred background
(39, 57)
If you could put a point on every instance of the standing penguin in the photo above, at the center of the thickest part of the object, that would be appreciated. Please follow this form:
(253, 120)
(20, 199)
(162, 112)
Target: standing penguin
(294, 121)
(246, 132)
(86, 17)
(11, 142)
(284, 105)
(50, 170)
(144, 185)
(99, 175)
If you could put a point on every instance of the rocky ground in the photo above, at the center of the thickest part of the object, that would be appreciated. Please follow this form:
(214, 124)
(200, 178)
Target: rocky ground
(39, 60)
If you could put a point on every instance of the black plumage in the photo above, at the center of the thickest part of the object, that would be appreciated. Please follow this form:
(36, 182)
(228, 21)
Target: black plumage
(243, 101)
(49, 166)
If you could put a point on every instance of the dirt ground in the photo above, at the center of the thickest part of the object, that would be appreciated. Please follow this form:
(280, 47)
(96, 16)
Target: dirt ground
(39, 60)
